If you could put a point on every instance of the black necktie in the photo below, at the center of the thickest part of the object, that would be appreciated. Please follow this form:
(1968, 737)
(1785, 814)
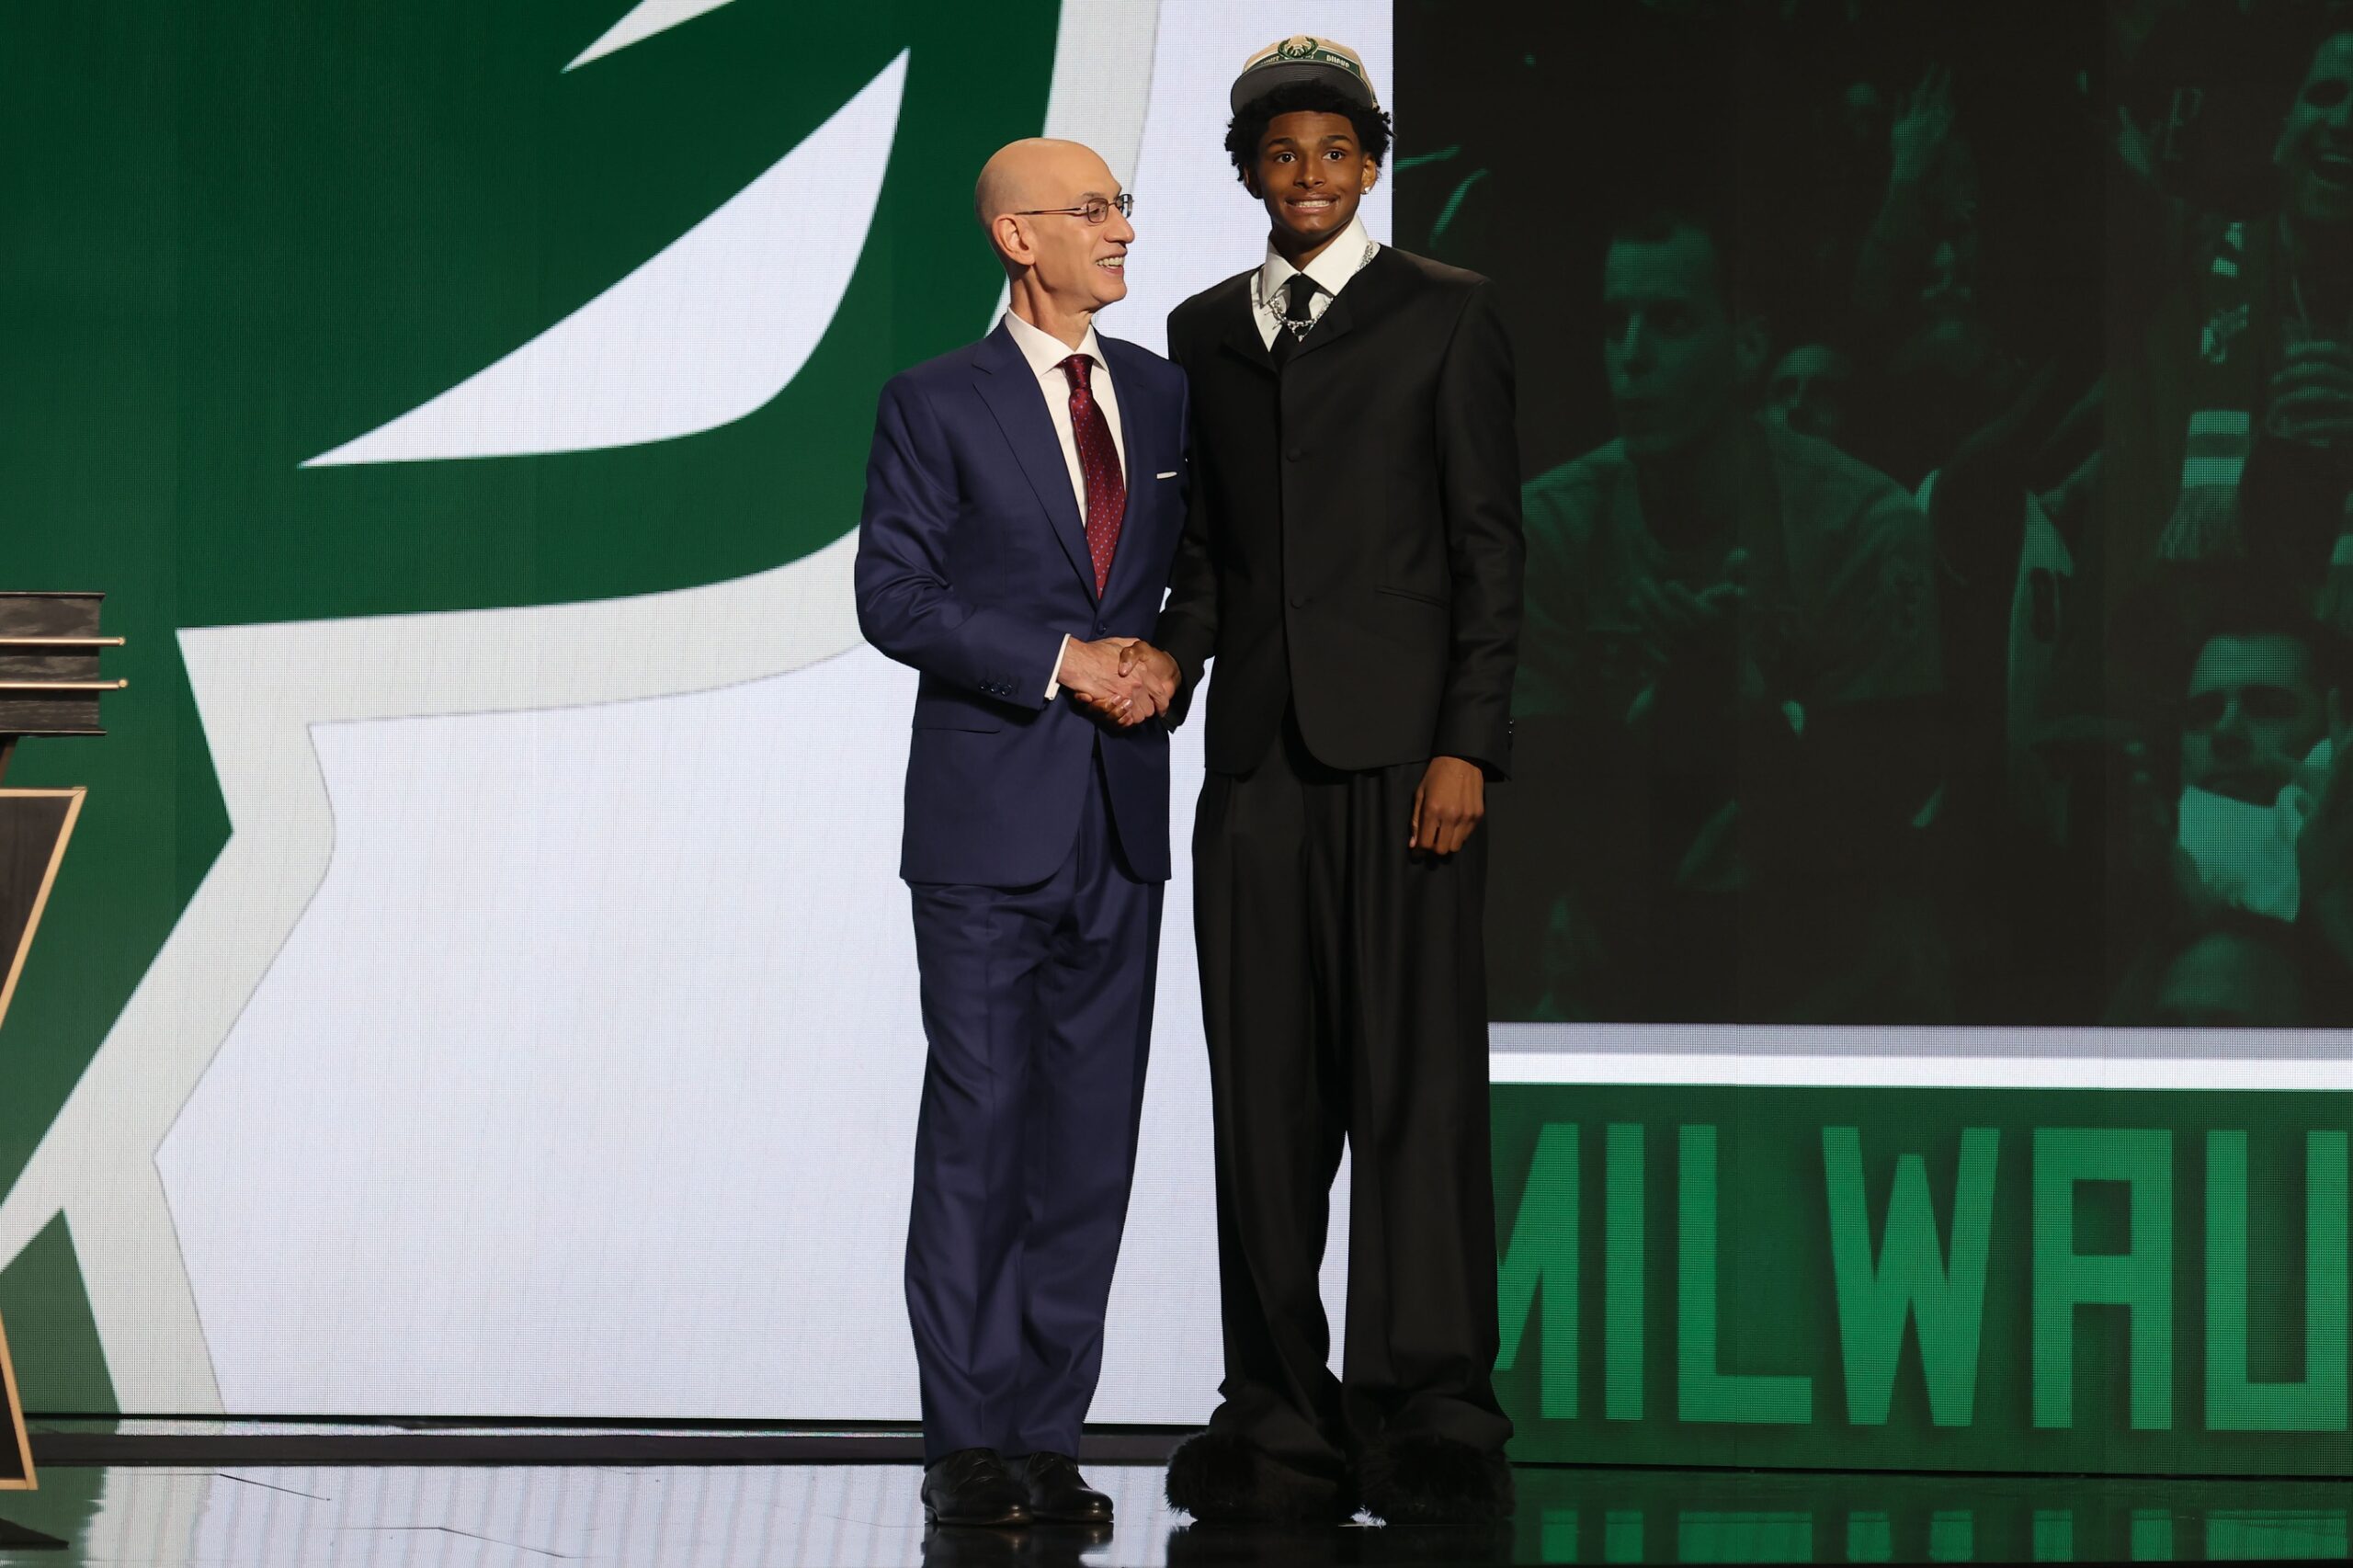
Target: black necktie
(1301, 290)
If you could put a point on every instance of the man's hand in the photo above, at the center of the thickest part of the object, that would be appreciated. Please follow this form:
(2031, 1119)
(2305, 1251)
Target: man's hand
(1922, 127)
(1448, 806)
(1678, 618)
(1094, 675)
(1694, 634)
(1685, 620)
(1157, 669)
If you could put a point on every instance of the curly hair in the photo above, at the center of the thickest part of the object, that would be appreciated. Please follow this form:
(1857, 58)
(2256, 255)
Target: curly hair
(1246, 130)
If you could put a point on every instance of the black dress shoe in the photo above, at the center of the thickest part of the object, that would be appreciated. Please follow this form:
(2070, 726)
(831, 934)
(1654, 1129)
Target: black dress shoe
(1058, 1493)
(970, 1487)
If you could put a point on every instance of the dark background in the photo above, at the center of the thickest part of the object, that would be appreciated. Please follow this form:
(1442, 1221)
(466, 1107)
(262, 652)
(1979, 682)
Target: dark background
(2091, 157)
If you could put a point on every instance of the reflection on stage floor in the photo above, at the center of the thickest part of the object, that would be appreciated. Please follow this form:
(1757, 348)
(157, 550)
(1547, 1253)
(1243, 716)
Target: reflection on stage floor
(867, 1516)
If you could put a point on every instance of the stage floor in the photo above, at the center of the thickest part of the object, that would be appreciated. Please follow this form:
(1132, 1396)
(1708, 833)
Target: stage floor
(867, 1516)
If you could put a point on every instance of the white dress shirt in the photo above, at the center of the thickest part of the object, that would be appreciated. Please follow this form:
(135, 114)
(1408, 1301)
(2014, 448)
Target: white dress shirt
(1045, 353)
(1331, 269)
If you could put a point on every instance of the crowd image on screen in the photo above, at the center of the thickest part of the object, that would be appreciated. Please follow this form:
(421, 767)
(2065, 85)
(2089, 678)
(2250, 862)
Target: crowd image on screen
(1938, 431)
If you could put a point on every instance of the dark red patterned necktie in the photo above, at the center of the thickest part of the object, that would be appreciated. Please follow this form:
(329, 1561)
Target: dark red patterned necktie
(1099, 459)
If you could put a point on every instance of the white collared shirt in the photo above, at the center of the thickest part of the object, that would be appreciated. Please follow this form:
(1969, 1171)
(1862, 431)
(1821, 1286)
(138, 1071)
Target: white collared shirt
(1331, 269)
(1045, 353)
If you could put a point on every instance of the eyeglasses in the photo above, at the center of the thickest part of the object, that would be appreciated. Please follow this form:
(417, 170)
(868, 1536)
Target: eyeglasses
(1094, 212)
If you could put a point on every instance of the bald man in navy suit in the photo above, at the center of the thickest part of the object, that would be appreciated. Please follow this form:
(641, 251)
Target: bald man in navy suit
(1023, 505)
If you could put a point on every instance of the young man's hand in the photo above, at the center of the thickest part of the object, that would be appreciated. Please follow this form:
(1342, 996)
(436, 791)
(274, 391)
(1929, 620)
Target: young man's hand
(1157, 670)
(1448, 806)
(1097, 674)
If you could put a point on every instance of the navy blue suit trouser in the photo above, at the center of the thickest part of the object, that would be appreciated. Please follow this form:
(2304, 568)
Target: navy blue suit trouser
(1037, 1004)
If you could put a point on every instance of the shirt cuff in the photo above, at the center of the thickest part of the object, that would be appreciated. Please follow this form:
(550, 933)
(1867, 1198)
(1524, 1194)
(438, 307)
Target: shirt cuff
(1054, 681)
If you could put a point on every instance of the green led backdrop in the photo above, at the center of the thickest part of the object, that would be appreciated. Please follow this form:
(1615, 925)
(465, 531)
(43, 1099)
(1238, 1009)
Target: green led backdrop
(1919, 935)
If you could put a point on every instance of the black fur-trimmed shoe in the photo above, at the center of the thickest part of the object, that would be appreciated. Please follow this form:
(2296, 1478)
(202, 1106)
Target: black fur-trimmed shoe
(1220, 1479)
(1436, 1481)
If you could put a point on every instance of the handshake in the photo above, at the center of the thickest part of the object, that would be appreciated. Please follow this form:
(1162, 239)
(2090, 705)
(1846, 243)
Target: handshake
(1121, 680)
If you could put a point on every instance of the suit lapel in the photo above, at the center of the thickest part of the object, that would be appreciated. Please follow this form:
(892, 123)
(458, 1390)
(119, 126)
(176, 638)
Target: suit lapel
(1012, 396)
(1238, 330)
(1140, 418)
(1363, 300)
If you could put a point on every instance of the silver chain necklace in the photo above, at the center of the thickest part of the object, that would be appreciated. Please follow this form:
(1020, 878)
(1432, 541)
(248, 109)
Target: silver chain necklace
(1274, 312)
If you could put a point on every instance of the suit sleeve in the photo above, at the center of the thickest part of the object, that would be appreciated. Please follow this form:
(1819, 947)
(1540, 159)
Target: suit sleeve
(906, 606)
(1478, 453)
(1187, 628)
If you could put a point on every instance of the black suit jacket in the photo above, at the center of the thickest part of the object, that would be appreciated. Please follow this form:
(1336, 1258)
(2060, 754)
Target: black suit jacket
(1353, 542)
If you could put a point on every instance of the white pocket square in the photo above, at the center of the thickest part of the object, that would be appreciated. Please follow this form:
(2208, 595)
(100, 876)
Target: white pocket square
(1170, 474)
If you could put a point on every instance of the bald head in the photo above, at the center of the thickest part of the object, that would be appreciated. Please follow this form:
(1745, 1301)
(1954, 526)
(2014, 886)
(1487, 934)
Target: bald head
(1034, 174)
(1060, 269)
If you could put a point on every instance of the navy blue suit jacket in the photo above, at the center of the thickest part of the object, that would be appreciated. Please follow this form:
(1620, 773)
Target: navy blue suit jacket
(972, 565)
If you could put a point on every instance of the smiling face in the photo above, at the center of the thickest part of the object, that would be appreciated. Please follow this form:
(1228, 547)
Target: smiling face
(1312, 174)
(1078, 266)
(2254, 712)
(2315, 150)
(1082, 264)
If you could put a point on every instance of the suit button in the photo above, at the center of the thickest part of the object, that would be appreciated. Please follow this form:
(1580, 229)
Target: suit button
(1297, 454)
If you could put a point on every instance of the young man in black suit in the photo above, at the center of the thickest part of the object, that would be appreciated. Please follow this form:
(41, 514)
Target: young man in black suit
(1352, 560)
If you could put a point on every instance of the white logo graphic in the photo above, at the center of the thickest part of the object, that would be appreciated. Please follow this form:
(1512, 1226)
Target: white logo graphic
(712, 327)
(651, 18)
(259, 690)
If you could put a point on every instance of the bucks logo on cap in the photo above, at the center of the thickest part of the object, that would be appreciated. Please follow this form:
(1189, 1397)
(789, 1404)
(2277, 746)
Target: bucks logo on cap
(1304, 59)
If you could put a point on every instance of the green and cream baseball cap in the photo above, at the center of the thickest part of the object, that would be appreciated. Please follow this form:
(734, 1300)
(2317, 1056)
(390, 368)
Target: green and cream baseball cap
(1303, 58)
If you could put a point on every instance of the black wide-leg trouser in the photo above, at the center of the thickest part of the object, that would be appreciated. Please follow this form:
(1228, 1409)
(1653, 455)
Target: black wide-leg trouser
(1343, 986)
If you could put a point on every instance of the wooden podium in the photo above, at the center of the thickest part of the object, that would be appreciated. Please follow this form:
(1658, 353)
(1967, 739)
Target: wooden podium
(49, 686)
